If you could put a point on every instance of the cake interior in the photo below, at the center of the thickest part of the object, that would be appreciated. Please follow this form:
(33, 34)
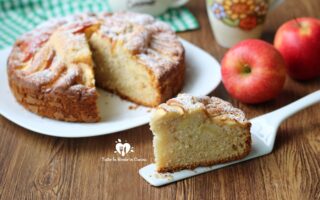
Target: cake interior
(194, 139)
(107, 65)
(118, 71)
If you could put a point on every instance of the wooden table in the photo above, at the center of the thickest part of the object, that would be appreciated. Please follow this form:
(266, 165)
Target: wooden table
(33, 166)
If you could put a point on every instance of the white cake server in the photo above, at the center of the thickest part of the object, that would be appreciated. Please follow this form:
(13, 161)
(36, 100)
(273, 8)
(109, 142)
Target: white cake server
(263, 131)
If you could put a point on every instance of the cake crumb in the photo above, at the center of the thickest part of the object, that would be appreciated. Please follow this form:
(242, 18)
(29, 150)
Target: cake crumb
(133, 107)
(167, 176)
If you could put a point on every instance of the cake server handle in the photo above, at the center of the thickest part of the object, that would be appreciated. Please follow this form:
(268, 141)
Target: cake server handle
(278, 116)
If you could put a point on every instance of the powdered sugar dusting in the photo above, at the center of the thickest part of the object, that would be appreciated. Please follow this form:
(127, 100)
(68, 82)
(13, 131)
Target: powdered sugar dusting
(214, 106)
(152, 42)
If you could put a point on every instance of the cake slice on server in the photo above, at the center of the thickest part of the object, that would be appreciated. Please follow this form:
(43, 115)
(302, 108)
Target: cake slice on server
(198, 131)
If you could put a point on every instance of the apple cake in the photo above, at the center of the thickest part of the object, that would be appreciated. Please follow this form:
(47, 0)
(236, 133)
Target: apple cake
(198, 131)
(54, 69)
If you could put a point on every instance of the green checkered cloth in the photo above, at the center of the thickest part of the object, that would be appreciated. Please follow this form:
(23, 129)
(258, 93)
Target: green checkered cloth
(19, 16)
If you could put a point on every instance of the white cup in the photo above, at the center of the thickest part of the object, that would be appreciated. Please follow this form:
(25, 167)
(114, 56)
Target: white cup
(235, 20)
(153, 7)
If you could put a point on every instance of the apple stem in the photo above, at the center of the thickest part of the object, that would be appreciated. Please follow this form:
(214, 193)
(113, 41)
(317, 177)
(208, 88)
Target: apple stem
(299, 25)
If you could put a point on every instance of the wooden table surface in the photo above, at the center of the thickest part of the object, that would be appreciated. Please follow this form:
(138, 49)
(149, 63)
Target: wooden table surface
(33, 166)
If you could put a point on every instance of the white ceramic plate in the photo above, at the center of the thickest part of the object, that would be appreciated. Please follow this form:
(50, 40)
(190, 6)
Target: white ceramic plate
(202, 77)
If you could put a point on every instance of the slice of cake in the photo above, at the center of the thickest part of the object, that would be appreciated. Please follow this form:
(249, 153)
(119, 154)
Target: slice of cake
(198, 131)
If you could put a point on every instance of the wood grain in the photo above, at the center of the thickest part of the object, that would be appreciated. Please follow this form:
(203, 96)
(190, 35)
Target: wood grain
(33, 166)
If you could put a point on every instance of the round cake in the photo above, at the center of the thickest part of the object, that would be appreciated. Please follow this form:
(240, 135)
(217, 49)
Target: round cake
(54, 69)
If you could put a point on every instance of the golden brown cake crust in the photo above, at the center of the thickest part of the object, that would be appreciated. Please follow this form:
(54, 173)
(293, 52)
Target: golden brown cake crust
(214, 107)
(67, 100)
(73, 104)
(44, 84)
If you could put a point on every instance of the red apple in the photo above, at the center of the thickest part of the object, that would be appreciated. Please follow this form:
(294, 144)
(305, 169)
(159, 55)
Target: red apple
(253, 71)
(298, 41)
